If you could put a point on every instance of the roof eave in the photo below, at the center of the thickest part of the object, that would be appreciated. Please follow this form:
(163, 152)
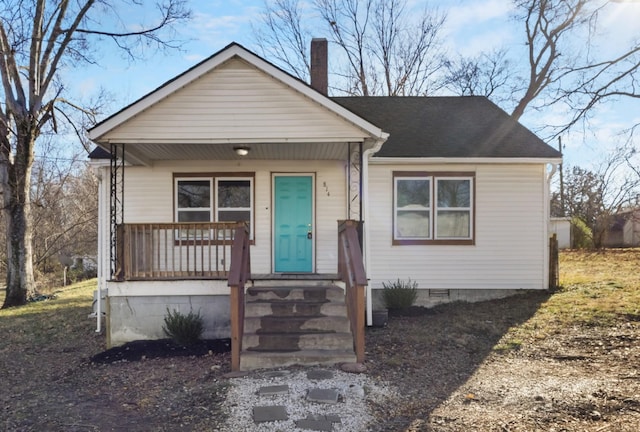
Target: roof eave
(463, 160)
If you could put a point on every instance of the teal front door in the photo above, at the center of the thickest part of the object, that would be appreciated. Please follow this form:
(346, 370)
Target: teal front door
(293, 219)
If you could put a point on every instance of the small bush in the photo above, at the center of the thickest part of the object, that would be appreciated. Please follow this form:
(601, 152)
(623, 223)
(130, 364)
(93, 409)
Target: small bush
(183, 329)
(399, 294)
(581, 234)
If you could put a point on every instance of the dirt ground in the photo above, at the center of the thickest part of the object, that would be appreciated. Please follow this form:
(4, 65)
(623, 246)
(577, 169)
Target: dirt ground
(458, 372)
(493, 366)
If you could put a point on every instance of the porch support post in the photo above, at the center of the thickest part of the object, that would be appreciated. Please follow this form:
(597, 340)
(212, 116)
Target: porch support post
(354, 188)
(116, 206)
(360, 195)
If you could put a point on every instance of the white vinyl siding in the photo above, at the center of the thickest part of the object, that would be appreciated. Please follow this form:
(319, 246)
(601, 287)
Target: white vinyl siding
(149, 197)
(509, 247)
(236, 101)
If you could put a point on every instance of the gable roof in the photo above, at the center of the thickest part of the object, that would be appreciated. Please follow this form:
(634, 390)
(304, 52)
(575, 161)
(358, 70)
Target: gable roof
(447, 127)
(234, 50)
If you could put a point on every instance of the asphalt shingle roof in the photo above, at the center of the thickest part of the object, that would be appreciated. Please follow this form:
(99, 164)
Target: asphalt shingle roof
(99, 153)
(468, 126)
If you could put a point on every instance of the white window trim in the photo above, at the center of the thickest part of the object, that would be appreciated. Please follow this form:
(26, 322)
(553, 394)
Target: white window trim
(396, 208)
(251, 201)
(179, 209)
(433, 178)
(437, 208)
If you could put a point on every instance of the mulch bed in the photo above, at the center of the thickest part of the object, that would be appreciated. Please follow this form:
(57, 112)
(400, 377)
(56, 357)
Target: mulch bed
(161, 348)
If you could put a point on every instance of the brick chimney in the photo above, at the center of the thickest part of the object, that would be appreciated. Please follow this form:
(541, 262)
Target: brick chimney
(319, 68)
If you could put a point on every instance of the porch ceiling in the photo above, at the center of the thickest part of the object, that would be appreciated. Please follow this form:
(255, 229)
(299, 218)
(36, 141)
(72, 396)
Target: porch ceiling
(145, 153)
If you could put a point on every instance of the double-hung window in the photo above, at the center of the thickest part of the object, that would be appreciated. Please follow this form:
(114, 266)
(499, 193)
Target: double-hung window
(432, 208)
(215, 198)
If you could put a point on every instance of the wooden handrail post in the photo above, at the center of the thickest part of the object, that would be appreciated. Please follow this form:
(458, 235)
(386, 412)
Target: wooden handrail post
(352, 273)
(236, 335)
(239, 273)
(359, 339)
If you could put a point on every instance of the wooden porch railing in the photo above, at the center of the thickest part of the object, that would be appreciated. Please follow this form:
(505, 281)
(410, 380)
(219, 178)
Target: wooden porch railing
(157, 251)
(352, 273)
(239, 273)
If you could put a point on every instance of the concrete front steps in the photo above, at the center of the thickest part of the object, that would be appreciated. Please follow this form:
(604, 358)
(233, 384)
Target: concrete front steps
(303, 322)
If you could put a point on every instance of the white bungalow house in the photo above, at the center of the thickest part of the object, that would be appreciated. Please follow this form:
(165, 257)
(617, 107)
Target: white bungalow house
(447, 191)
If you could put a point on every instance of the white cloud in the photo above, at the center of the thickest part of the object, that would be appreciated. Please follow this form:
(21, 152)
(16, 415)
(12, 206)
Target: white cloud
(619, 23)
(475, 26)
(217, 29)
(475, 13)
(86, 86)
(482, 42)
(194, 58)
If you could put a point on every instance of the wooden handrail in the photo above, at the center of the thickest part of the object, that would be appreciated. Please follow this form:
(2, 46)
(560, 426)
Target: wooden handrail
(239, 273)
(352, 273)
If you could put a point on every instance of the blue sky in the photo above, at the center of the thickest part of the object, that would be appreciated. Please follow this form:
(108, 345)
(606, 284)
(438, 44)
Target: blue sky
(471, 26)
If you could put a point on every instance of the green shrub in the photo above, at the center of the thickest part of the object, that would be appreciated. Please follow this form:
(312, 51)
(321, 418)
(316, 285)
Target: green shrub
(581, 234)
(399, 294)
(183, 329)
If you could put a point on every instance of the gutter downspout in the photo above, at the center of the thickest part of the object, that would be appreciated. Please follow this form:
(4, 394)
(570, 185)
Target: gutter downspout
(98, 170)
(365, 197)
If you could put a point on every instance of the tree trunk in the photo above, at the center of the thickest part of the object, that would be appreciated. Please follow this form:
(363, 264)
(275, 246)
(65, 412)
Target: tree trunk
(17, 210)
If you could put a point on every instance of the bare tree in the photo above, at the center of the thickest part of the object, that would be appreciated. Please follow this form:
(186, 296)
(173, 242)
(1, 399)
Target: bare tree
(487, 74)
(596, 196)
(547, 23)
(38, 38)
(384, 47)
(562, 61)
(65, 210)
(3, 252)
(283, 37)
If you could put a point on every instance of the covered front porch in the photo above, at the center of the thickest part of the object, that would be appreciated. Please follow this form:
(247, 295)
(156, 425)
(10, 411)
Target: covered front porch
(150, 262)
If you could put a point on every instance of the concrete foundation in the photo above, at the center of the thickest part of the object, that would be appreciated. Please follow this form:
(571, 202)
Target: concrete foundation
(133, 318)
(431, 298)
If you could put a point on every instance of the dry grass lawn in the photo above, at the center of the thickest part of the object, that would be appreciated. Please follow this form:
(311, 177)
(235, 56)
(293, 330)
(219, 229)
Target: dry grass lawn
(563, 361)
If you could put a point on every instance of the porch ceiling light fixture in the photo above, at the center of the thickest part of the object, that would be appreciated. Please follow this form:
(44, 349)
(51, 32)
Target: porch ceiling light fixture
(241, 151)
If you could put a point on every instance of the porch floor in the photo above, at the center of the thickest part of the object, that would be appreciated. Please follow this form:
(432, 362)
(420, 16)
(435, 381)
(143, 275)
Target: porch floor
(254, 277)
(295, 276)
